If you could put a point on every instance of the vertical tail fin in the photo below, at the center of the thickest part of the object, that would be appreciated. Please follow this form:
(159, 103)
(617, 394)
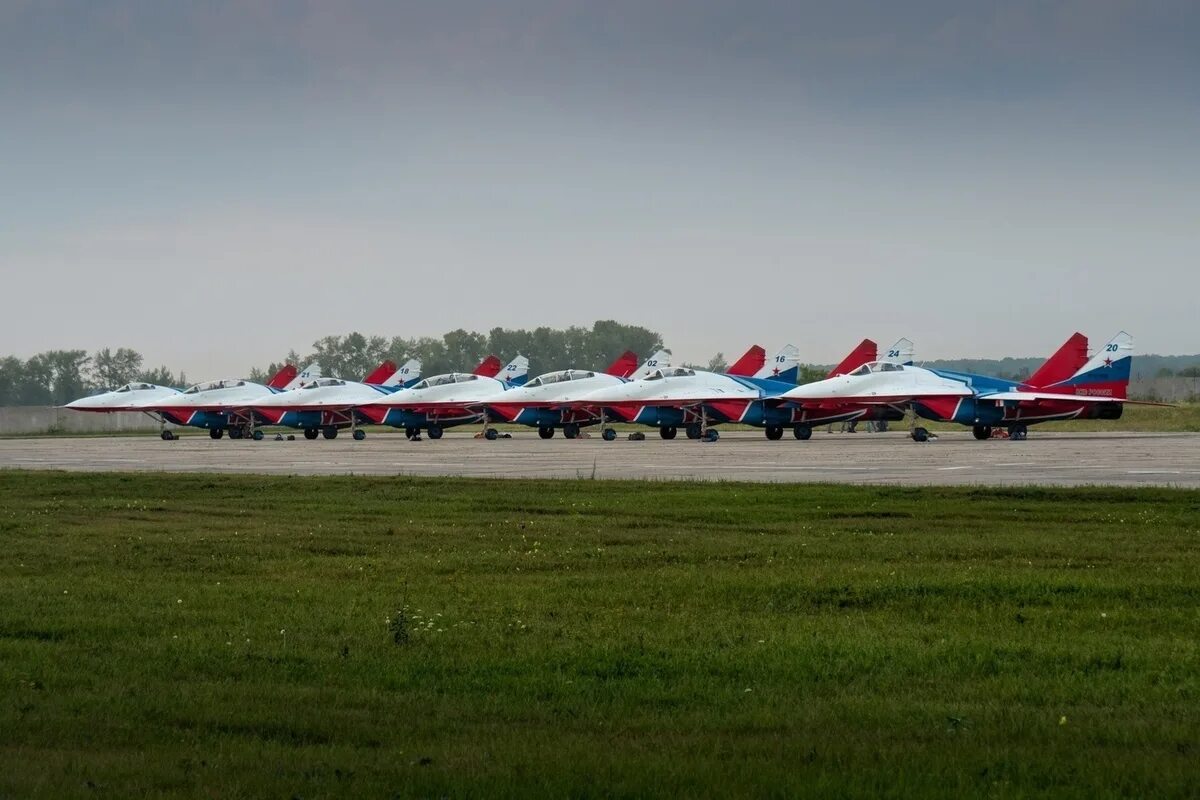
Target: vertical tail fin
(304, 376)
(624, 366)
(406, 375)
(749, 364)
(661, 359)
(381, 373)
(866, 351)
(784, 366)
(1106, 374)
(283, 377)
(1065, 362)
(515, 372)
(488, 367)
(899, 353)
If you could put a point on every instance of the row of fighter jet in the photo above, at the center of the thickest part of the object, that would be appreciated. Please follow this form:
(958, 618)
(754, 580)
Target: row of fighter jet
(865, 386)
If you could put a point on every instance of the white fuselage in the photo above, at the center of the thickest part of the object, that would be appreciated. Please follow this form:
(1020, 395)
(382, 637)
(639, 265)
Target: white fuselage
(677, 386)
(326, 394)
(214, 396)
(131, 397)
(558, 388)
(453, 389)
(879, 381)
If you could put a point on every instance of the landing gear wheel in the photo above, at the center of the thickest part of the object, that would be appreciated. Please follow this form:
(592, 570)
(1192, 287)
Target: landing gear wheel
(435, 431)
(667, 432)
(571, 430)
(359, 435)
(693, 430)
(1018, 432)
(216, 433)
(329, 432)
(310, 433)
(412, 433)
(711, 435)
(608, 434)
(236, 433)
(167, 436)
(257, 436)
(982, 432)
(490, 434)
(774, 432)
(546, 433)
(920, 435)
(802, 432)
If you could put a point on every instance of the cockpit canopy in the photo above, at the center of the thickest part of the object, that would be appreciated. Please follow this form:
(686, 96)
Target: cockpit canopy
(559, 377)
(445, 380)
(877, 366)
(136, 387)
(324, 382)
(677, 372)
(214, 385)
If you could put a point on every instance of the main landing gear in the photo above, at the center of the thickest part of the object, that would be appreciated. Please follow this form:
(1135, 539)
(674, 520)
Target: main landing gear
(1018, 432)
(694, 430)
(216, 433)
(434, 431)
(571, 430)
(667, 432)
(311, 433)
(802, 432)
(774, 432)
(329, 432)
(546, 432)
(982, 432)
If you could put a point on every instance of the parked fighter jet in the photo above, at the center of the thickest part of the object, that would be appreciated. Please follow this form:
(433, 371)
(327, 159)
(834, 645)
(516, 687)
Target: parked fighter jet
(546, 401)
(1094, 390)
(225, 404)
(693, 399)
(327, 404)
(444, 401)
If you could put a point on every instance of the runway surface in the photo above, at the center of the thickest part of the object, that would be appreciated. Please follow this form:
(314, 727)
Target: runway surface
(891, 458)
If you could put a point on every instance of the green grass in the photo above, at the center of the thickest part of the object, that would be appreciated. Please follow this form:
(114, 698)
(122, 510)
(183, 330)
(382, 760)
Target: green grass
(182, 635)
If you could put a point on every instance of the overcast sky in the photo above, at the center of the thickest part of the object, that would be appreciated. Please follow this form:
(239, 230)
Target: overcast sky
(214, 183)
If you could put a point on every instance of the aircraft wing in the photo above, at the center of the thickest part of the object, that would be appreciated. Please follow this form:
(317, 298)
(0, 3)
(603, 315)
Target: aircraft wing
(1051, 397)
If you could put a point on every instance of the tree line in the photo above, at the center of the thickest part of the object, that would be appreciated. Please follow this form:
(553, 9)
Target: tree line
(60, 376)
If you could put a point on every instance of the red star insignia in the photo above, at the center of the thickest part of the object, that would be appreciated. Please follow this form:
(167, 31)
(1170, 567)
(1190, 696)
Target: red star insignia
(1108, 362)
(775, 371)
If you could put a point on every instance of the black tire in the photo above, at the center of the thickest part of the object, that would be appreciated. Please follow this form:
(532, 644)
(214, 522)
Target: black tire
(329, 432)
(258, 435)
(982, 432)
(608, 434)
(774, 432)
(167, 436)
(546, 433)
(236, 433)
(490, 434)
(359, 435)
(802, 432)
(310, 433)
(571, 430)
(412, 433)
(668, 432)
(693, 430)
(216, 433)
(920, 435)
(434, 431)
(711, 435)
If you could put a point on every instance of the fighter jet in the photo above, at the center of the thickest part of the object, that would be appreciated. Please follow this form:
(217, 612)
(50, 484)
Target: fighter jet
(444, 401)
(326, 405)
(224, 405)
(1095, 390)
(694, 399)
(546, 402)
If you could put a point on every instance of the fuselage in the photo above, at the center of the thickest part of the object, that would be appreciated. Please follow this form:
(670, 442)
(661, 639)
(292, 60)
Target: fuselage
(455, 398)
(130, 397)
(549, 400)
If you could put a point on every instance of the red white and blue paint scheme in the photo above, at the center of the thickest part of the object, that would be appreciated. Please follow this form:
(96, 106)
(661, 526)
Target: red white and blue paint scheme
(1095, 390)
(326, 405)
(445, 401)
(548, 402)
(669, 399)
(224, 405)
(130, 397)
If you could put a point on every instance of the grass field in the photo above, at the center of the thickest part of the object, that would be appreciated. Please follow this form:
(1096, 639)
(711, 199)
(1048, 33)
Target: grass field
(308, 637)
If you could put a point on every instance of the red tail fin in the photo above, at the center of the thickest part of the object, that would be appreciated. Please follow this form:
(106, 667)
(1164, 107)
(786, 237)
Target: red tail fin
(384, 371)
(283, 377)
(624, 366)
(866, 351)
(749, 363)
(489, 367)
(1065, 362)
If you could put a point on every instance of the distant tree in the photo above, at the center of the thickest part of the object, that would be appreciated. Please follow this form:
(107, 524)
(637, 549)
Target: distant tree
(1165, 372)
(717, 363)
(68, 369)
(810, 373)
(1189, 372)
(111, 369)
(161, 376)
(12, 376)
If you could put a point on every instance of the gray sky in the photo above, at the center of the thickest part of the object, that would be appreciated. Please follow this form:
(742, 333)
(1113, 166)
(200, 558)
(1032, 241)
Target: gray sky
(213, 183)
